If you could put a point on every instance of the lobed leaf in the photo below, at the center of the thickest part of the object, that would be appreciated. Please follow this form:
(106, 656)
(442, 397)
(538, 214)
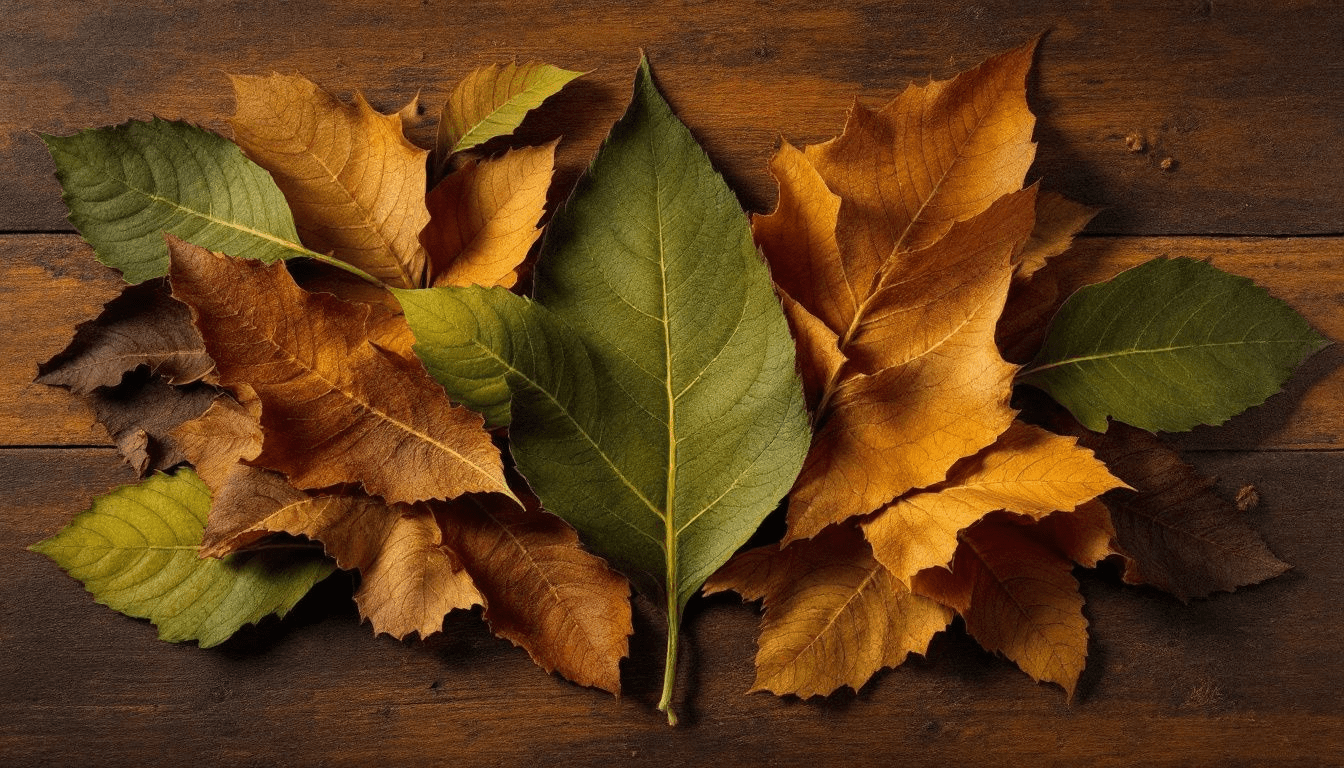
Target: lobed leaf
(135, 551)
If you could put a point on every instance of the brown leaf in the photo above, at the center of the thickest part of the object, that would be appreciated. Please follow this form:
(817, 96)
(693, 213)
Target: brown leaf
(1018, 597)
(1027, 471)
(142, 326)
(1031, 304)
(228, 432)
(1084, 535)
(833, 615)
(409, 580)
(483, 218)
(542, 591)
(335, 408)
(356, 186)
(141, 413)
(1058, 219)
(1178, 534)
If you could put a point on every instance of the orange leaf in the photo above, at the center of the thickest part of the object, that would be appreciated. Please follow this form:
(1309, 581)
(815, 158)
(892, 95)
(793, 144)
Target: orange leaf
(228, 432)
(335, 408)
(1058, 219)
(356, 186)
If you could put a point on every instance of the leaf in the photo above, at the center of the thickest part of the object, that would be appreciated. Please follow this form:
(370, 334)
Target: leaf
(564, 606)
(833, 614)
(409, 580)
(135, 551)
(483, 218)
(1176, 533)
(335, 408)
(355, 184)
(228, 432)
(654, 404)
(141, 414)
(128, 184)
(1018, 597)
(1058, 219)
(142, 326)
(492, 101)
(1168, 345)
(1027, 471)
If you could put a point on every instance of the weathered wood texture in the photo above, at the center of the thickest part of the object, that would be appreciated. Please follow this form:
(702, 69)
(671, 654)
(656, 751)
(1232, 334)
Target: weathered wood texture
(1250, 678)
(1247, 97)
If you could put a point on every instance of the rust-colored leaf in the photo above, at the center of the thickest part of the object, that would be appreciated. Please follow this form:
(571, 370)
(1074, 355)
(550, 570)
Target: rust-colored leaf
(483, 218)
(1028, 471)
(1177, 533)
(542, 591)
(833, 614)
(356, 186)
(228, 432)
(335, 408)
(142, 326)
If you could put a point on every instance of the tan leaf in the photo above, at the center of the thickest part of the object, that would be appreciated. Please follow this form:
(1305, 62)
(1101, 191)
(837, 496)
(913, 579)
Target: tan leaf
(1058, 219)
(356, 186)
(543, 592)
(142, 326)
(387, 323)
(1084, 535)
(409, 580)
(1028, 471)
(228, 432)
(1018, 597)
(483, 218)
(1178, 534)
(819, 357)
(833, 615)
(335, 408)
(935, 155)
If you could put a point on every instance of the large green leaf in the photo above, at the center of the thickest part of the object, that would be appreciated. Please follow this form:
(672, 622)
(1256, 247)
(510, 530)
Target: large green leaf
(135, 549)
(128, 184)
(1168, 345)
(654, 399)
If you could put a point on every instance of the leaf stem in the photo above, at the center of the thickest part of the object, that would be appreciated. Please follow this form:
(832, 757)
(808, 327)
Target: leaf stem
(335, 262)
(670, 665)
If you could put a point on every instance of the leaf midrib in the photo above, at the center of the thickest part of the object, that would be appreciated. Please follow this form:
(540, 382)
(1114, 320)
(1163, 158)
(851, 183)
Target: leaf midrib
(1149, 351)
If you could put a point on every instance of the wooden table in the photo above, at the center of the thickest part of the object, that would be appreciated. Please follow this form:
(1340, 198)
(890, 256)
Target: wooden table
(1246, 97)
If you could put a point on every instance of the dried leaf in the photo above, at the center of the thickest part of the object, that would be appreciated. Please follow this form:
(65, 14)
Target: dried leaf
(1177, 534)
(135, 550)
(833, 614)
(483, 218)
(141, 413)
(1027, 471)
(355, 184)
(542, 591)
(335, 408)
(142, 326)
(228, 432)
(1058, 219)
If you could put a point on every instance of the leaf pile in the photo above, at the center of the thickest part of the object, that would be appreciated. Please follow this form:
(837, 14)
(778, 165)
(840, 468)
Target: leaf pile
(335, 328)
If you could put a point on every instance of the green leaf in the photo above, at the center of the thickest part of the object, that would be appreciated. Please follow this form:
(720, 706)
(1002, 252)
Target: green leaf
(492, 101)
(1168, 345)
(654, 399)
(128, 184)
(135, 549)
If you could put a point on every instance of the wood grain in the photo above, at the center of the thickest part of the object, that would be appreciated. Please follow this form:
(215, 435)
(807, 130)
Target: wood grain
(54, 277)
(1245, 679)
(1244, 96)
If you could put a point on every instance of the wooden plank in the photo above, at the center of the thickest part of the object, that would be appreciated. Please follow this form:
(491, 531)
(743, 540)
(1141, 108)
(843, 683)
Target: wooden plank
(1250, 678)
(54, 278)
(1246, 97)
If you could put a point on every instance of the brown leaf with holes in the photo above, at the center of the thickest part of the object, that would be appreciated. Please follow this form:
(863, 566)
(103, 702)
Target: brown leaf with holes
(1028, 471)
(834, 615)
(356, 186)
(1016, 591)
(483, 218)
(142, 326)
(408, 579)
(542, 591)
(1177, 534)
(335, 407)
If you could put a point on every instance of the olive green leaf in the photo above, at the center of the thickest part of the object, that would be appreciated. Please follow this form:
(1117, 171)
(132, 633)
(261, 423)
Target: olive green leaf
(1168, 345)
(135, 550)
(128, 184)
(652, 396)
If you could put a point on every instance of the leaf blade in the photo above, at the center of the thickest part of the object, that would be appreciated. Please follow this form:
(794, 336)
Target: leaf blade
(492, 101)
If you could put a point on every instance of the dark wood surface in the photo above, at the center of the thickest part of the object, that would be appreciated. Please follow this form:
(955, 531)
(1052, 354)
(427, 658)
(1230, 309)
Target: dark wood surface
(1247, 98)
